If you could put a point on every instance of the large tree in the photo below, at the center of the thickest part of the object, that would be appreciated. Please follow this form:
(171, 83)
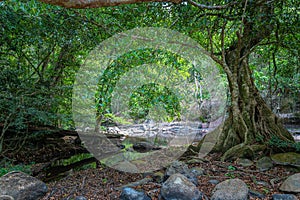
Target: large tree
(233, 29)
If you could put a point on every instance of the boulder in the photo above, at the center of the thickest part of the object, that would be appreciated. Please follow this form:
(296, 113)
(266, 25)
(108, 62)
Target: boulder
(6, 197)
(264, 164)
(178, 187)
(178, 167)
(22, 186)
(284, 197)
(291, 184)
(289, 158)
(132, 194)
(233, 189)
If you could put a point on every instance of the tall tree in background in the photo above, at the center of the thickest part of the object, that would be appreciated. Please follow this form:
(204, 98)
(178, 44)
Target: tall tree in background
(233, 30)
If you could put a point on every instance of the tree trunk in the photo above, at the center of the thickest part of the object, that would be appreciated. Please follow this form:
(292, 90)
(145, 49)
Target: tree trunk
(251, 123)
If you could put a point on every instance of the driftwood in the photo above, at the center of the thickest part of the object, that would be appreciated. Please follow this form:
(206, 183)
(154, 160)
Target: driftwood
(43, 145)
(48, 173)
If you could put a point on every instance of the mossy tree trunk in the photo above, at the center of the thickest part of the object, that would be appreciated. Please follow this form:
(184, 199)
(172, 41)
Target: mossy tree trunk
(251, 123)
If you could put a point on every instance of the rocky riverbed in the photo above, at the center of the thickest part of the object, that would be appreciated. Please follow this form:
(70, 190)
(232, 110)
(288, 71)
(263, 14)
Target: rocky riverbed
(294, 129)
(163, 131)
(167, 131)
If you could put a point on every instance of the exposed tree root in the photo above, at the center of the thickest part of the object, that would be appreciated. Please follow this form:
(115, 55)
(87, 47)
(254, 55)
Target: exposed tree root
(238, 137)
(243, 150)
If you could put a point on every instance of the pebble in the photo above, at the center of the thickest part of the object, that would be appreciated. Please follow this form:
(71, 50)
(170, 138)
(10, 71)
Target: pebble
(213, 181)
(80, 198)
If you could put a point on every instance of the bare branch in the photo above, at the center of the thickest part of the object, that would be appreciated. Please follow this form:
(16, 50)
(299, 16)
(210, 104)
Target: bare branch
(220, 15)
(216, 59)
(220, 7)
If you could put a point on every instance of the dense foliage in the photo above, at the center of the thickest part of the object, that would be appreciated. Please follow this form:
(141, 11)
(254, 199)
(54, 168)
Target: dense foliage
(42, 47)
(147, 95)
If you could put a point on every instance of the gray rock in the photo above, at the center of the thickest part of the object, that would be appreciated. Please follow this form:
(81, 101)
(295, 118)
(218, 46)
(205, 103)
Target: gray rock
(193, 178)
(264, 164)
(263, 183)
(143, 147)
(233, 189)
(291, 184)
(197, 171)
(178, 187)
(256, 194)
(126, 166)
(289, 158)
(80, 198)
(132, 194)
(213, 181)
(244, 162)
(284, 197)
(178, 167)
(6, 197)
(22, 186)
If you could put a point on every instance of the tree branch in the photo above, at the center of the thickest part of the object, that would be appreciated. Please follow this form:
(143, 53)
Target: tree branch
(220, 15)
(220, 7)
(98, 3)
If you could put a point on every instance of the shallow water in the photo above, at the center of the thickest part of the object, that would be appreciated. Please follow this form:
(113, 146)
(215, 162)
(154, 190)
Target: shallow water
(294, 129)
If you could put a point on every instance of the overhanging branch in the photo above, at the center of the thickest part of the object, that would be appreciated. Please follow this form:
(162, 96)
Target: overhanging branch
(98, 3)
(219, 7)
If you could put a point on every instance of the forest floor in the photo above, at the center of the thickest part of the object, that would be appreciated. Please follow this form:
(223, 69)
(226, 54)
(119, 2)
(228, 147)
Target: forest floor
(102, 183)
